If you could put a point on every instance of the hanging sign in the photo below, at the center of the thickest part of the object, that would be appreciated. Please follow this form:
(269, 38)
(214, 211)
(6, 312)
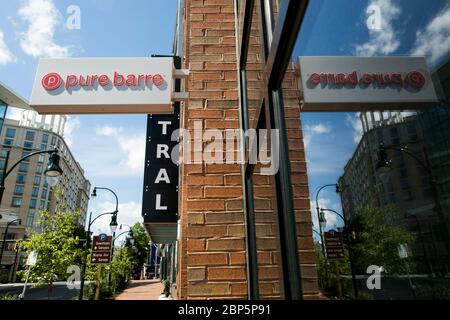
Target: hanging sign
(336, 84)
(105, 85)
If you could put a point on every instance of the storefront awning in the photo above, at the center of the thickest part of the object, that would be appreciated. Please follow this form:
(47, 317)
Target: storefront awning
(162, 233)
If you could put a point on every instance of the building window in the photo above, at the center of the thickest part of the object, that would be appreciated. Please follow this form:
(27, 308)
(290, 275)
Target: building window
(18, 190)
(41, 158)
(53, 141)
(23, 167)
(10, 132)
(24, 154)
(16, 202)
(8, 142)
(42, 205)
(43, 147)
(32, 203)
(3, 153)
(35, 192)
(39, 168)
(30, 135)
(37, 180)
(44, 138)
(2, 164)
(28, 145)
(30, 220)
(44, 193)
(21, 178)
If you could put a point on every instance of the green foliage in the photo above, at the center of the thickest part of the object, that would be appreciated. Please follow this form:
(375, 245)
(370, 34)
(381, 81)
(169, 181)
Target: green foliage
(57, 248)
(9, 297)
(166, 290)
(120, 269)
(141, 239)
(379, 236)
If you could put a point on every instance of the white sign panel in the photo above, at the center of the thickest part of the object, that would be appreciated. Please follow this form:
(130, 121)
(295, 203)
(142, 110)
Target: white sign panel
(32, 257)
(103, 85)
(365, 83)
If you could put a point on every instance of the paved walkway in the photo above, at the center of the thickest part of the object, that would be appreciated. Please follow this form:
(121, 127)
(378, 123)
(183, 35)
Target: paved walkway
(142, 290)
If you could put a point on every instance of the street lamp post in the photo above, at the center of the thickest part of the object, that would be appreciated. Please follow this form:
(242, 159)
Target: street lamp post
(350, 251)
(53, 172)
(113, 226)
(4, 237)
(94, 194)
(383, 166)
(322, 224)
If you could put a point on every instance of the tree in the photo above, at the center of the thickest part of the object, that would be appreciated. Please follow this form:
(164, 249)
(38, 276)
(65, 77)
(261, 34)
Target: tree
(57, 246)
(140, 251)
(378, 237)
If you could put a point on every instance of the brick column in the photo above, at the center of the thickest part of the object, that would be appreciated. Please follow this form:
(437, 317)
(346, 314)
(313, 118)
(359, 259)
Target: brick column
(212, 263)
(211, 252)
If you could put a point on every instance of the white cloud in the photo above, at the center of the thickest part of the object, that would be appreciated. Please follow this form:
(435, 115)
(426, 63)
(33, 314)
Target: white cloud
(129, 213)
(353, 121)
(42, 17)
(316, 129)
(131, 146)
(6, 56)
(14, 113)
(72, 125)
(384, 41)
(434, 41)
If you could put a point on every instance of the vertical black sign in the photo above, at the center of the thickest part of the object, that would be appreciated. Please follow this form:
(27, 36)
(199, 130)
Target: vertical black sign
(160, 196)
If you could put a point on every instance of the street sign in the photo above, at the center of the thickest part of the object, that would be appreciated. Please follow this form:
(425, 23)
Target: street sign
(334, 245)
(32, 257)
(101, 249)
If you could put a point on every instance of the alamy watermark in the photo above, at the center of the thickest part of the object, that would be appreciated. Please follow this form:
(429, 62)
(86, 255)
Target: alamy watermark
(214, 146)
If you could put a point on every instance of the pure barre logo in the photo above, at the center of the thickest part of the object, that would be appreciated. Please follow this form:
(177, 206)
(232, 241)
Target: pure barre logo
(413, 80)
(52, 81)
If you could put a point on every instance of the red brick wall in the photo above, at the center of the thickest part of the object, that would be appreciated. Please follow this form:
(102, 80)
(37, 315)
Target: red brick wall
(211, 259)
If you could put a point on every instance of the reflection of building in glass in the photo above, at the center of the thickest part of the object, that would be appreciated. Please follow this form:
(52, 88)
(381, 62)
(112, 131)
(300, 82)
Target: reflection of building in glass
(436, 129)
(26, 190)
(407, 186)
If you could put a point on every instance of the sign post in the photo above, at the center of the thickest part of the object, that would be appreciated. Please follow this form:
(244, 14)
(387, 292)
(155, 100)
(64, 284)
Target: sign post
(334, 246)
(101, 249)
(31, 261)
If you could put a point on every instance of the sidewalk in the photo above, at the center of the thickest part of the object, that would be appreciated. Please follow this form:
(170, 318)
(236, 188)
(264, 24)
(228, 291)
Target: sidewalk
(142, 290)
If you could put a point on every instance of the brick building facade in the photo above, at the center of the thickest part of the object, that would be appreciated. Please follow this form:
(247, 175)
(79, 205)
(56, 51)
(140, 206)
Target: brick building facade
(212, 251)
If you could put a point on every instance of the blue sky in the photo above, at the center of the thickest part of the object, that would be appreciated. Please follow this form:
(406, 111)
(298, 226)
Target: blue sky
(111, 148)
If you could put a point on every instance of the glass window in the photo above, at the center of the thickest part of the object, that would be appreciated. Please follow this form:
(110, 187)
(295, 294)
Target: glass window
(10, 132)
(28, 145)
(2, 164)
(43, 147)
(30, 135)
(44, 193)
(35, 191)
(21, 178)
(44, 138)
(37, 180)
(33, 203)
(8, 142)
(23, 167)
(18, 189)
(24, 154)
(41, 158)
(3, 153)
(16, 201)
(30, 220)
(39, 168)
(42, 205)
(53, 143)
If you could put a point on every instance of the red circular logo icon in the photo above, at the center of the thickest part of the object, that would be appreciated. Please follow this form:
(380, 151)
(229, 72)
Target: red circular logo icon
(157, 80)
(415, 79)
(51, 81)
